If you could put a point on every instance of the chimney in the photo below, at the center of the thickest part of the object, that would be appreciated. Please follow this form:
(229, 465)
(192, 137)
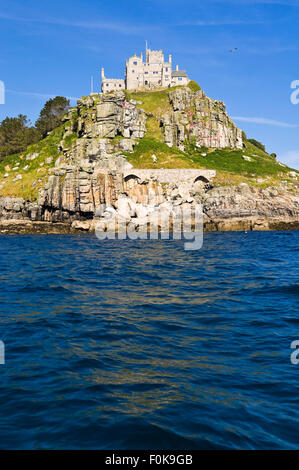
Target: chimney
(177, 68)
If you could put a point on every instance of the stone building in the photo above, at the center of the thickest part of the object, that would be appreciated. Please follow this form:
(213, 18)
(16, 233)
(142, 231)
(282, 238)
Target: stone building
(154, 72)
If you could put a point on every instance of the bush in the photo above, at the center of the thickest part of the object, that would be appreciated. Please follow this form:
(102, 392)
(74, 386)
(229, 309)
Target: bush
(258, 144)
(193, 86)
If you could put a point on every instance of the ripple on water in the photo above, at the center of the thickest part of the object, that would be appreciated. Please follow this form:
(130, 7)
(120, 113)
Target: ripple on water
(143, 345)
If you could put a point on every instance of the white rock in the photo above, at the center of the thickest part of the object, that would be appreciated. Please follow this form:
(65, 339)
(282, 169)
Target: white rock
(245, 157)
(81, 224)
(125, 207)
(127, 166)
(6, 175)
(141, 211)
(32, 157)
(18, 177)
(154, 158)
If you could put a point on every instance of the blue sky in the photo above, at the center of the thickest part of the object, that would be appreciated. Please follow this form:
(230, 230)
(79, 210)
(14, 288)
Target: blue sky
(53, 48)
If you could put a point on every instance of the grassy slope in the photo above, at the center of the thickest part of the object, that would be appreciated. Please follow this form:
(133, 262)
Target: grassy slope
(226, 161)
(35, 176)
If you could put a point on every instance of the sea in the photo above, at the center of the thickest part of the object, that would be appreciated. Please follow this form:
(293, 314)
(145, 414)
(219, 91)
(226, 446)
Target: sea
(140, 344)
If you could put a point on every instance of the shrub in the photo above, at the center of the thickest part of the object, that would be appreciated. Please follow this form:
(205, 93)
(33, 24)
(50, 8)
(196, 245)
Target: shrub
(193, 86)
(258, 144)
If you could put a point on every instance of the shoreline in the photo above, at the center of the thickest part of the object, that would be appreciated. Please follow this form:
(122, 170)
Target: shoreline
(29, 227)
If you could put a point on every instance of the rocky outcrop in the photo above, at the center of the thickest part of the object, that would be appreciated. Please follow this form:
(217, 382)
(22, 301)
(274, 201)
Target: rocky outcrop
(110, 115)
(245, 207)
(197, 119)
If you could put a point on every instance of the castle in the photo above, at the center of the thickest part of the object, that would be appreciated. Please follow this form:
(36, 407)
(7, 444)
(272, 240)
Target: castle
(153, 73)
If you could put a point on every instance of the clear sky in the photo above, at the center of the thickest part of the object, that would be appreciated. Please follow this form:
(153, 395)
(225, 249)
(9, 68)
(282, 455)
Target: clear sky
(53, 48)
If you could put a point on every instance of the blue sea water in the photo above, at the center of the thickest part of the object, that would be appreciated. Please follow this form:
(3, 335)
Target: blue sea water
(142, 345)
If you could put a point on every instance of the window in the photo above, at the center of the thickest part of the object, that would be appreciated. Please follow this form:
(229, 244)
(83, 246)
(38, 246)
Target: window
(146, 73)
(135, 63)
(119, 85)
(166, 70)
(107, 84)
(166, 77)
(180, 79)
(133, 71)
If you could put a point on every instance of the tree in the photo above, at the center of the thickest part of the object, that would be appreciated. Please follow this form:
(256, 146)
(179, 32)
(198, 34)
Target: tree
(52, 114)
(16, 134)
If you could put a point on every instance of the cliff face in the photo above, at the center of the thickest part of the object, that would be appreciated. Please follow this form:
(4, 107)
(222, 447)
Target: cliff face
(199, 119)
(86, 199)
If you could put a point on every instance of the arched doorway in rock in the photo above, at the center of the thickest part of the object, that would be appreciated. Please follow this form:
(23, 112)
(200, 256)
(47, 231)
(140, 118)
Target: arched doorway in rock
(201, 183)
(130, 181)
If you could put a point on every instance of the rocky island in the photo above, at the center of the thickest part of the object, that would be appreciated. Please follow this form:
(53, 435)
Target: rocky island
(150, 148)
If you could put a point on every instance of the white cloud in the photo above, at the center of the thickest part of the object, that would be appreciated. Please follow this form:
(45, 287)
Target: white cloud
(40, 95)
(223, 23)
(100, 25)
(290, 158)
(269, 122)
(285, 3)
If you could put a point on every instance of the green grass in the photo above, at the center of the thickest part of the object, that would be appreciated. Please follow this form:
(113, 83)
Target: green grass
(193, 86)
(154, 102)
(47, 147)
(70, 140)
(153, 129)
(166, 157)
(231, 161)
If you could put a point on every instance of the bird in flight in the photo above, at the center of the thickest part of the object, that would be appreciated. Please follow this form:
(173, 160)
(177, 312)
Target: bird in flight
(234, 50)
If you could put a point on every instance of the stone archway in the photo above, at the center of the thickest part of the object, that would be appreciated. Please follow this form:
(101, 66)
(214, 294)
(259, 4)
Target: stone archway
(200, 183)
(202, 179)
